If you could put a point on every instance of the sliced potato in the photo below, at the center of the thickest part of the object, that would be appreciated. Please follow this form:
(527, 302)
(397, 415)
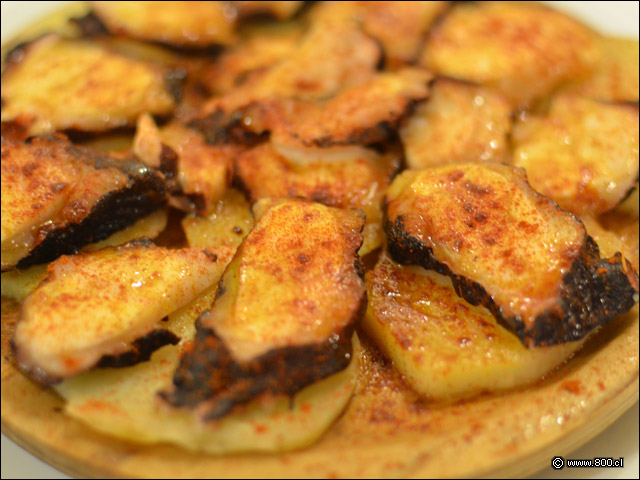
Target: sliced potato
(17, 284)
(582, 153)
(229, 223)
(522, 50)
(58, 197)
(398, 26)
(459, 123)
(35, 192)
(257, 53)
(202, 171)
(361, 115)
(284, 314)
(149, 227)
(445, 347)
(75, 84)
(123, 403)
(349, 177)
(331, 56)
(95, 304)
(183, 24)
(277, 290)
(508, 248)
(616, 77)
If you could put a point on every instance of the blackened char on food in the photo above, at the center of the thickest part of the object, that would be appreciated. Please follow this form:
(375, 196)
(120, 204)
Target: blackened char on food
(509, 249)
(58, 197)
(140, 350)
(302, 259)
(209, 374)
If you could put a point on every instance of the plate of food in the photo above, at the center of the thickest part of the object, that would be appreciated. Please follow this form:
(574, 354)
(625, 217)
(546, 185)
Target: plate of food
(317, 239)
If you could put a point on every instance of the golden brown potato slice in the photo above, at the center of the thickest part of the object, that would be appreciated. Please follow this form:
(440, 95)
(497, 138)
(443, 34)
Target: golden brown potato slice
(508, 248)
(459, 123)
(332, 56)
(366, 114)
(522, 50)
(444, 347)
(183, 24)
(228, 224)
(285, 310)
(361, 115)
(17, 284)
(123, 403)
(253, 55)
(74, 84)
(339, 177)
(57, 198)
(399, 26)
(616, 77)
(296, 250)
(183, 72)
(582, 153)
(96, 304)
(199, 173)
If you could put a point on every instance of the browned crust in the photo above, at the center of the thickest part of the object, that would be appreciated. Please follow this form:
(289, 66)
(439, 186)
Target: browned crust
(591, 293)
(317, 124)
(90, 25)
(116, 210)
(221, 127)
(385, 431)
(211, 381)
(13, 129)
(260, 173)
(381, 132)
(209, 378)
(140, 349)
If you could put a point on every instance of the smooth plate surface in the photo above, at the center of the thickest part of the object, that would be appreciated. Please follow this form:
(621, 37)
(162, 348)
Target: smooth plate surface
(386, 430)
